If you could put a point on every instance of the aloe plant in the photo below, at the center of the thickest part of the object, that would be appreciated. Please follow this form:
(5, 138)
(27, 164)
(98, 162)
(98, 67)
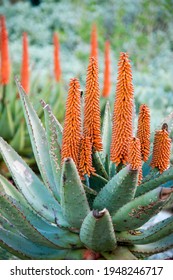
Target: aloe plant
(73, 210)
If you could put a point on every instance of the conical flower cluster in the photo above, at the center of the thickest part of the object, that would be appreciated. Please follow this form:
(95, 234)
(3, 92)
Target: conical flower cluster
(25, 73)
(107, 74)
(85, 158)
(57, 68)
(161, 149)
(4, 53)
(143, 131)
(72, 124)
(123, 112)
(92, 107)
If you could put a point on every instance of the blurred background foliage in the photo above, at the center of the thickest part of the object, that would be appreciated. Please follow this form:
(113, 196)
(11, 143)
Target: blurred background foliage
(142, 28)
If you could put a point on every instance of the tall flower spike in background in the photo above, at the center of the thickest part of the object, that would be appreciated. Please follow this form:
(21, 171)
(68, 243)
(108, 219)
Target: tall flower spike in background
(4, 53)
(161, 149)
(72, 124)
(25, 72)
(143, 131)
(57, 67)
(94, 42)
(107, 74)
(92, 106)
(85, 158)
(134, 156)
(122, 129)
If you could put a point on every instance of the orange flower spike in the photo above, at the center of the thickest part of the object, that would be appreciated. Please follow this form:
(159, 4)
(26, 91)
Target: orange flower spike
(57, 68)
(107, 82)
(4, 53)
(161, 149)
(143, 131)
(134, 156)
(94, 42)
(25, 73)
(92, 107)
(85, 158)
(72, 124)
(122, 129)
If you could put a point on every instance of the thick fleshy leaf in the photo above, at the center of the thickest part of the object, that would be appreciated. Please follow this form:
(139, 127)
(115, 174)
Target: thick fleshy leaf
(38, 139)
(97, 182)
(73, 198)
(120, 253)
(152, 234)
(9, 211)
(98, 165)
(138, 211)
(155, 247)
(118, 191)
(25, 249)
(166, 176)
(37, 195)
(97, 231)
(57, 235)
(54, 148)
(7, 123)
(106, 134)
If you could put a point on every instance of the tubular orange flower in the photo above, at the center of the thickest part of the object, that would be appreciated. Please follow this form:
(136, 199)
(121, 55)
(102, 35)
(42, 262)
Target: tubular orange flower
(143, 131)
(94, 43)
(85, 158)
(161, 149)
(25, 64)
(123, 112)
(107, 82)
(91, 106)
(72, 123)
(4, 53)
(57, 68)
(134, 156)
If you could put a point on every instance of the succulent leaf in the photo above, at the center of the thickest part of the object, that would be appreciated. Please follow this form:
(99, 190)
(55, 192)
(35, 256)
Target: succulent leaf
(38, 139)
(74, 203)
(97, 182)
(152, 234)
(54, 149)
(118, 191)
(106, 134)
(156, 182)
(138, 211)
(98, 165)
(97, 231)
(155, 247)
(120, 253)
(37, 195)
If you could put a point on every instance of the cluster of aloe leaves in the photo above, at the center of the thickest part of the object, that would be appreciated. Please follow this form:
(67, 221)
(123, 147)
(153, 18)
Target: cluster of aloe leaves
(56, 216)
(12, 123)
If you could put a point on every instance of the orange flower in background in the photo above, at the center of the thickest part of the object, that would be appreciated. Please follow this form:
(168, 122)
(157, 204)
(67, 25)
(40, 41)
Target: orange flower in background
(25, 73)
(92, 107)
(57, 68)
(4, 53)
(72, 124)
(134, 156)
(161, 149)
(143, 131)
(107, 74)
(85, 158)
(122, 129)
(94, 42)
